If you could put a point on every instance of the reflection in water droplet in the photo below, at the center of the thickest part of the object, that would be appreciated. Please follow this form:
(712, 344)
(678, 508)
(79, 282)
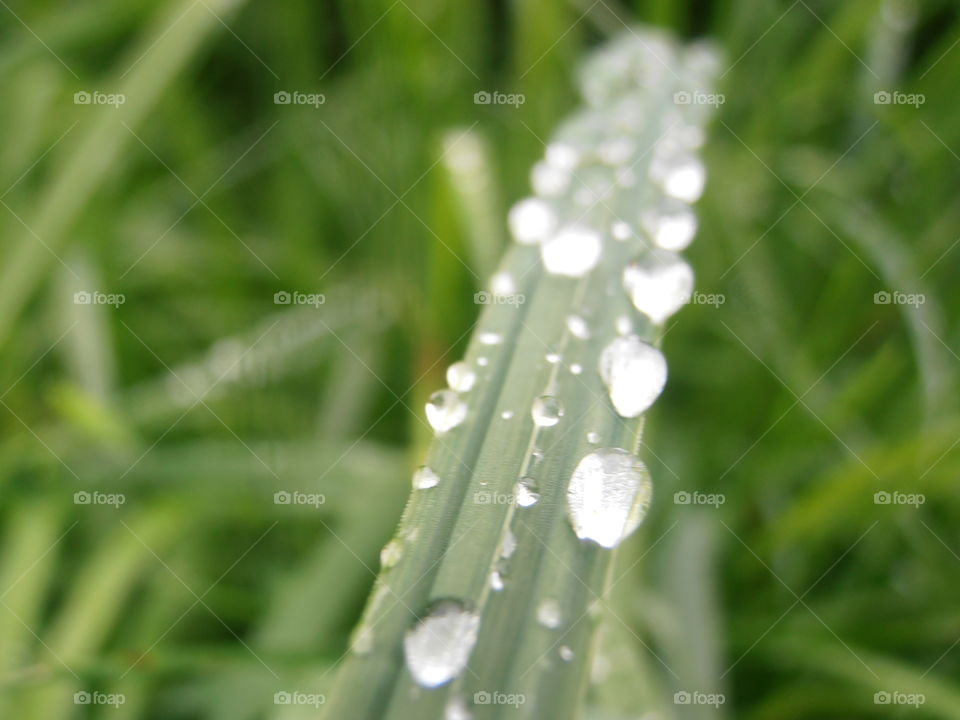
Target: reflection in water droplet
(461, 377)
(608, 496)
(548, 613)
(528, 492)
(634, 373)
(573, 251)
(438, 647)
(531, 220)
(659, 284)
(425, 478)
(445, 410)
(546, 411)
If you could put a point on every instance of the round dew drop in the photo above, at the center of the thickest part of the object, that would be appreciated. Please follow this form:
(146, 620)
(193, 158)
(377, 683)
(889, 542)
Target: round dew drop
(461, 377)
(573, 251)
(546, 411)
(425, 478)
(634, 373)
(548, 614)
(608, 496)
(659, 284)
(578, 327)
(438, 646)
(531, 220)
(445, 410)
(502, 283)
(527, 492)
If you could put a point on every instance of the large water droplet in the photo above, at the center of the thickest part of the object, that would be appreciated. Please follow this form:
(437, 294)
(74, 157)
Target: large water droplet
(548, 613)
(461, 377)
(659, 284)
(546, 411)
(573, 251)
(634, 373)
(445, 410)
(528, 492)
(531, 220)
(438, 647)
(425, 478)
(608, 496)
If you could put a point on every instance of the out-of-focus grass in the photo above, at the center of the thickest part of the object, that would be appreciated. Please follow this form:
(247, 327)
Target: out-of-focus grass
(199, 398)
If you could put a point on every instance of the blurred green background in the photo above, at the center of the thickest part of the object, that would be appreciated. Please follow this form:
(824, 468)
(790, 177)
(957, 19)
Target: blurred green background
(157, 196)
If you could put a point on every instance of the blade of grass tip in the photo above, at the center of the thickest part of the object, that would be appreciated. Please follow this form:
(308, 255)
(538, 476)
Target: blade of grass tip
(505, 549)
(140, 77)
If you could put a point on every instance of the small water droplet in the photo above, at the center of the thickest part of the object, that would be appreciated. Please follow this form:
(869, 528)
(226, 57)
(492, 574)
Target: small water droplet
(548, 180)
(548, 613)
(566, 654)
(490, 338)
(509, 544)
(531, 220)
(573, 251)
(578, 327)
(546, 411)
(528, 492)
(425, 478)
(552, 358)
(506, 414)
(391, 553)
(616, 151)
(502, 283)
(482, 361)
(576, 368)
(671, 226)
(621, 230)
(634, 373)
(608, 496)
(593, 437)
(461, 377)
(456, 709)
(562, 155)
(496, 581)
(681, 176)
(445, 410)
(438, 646)
(624, 325)
(659, 284)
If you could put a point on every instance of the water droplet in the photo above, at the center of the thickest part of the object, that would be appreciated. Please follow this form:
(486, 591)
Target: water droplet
(445, 410)
(424, 478)
(391, 553)
(616, 151)
(681, 176)
(578, 327)
(573, 251)
(461, 377)
(576, 368)
(548, 613)
(566, 654)
(608, 496)
(502, 283)
(531, 220)
(490, 338)
(482, 361)
(496, 581)
(671, 226)
(546, 411)
(659, 284)
(562, 155)
(621, 230)
(624, 325)
(634, 373)
(552, 358)
(549, 180)
(506, 414)
(438, 647)
(528, 492)
(509, 544)
(456, 710)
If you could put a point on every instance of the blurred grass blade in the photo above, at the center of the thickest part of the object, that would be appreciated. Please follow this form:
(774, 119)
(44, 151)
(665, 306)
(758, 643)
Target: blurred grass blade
(489, 593)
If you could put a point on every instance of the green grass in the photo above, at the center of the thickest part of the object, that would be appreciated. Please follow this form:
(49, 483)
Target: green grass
(798, 398)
